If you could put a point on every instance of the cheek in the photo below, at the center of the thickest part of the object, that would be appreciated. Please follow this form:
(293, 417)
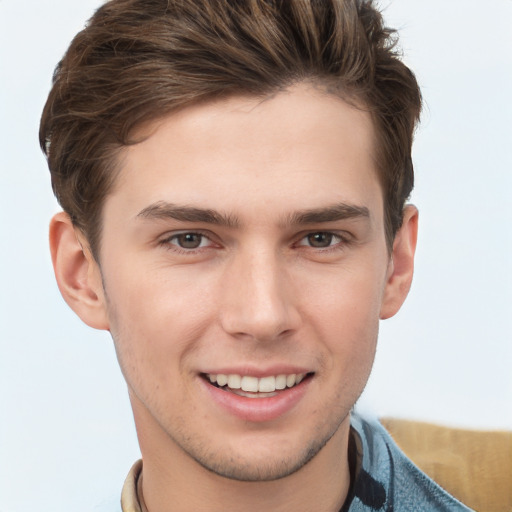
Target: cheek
(344, 312)
(349, 329)
(156, 319)
(345, 297)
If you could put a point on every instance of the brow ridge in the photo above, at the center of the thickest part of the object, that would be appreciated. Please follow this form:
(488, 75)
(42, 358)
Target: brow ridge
(332, 213)
(162, 210)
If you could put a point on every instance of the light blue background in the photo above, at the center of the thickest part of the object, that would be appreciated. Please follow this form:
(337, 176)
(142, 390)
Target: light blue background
(66, 434)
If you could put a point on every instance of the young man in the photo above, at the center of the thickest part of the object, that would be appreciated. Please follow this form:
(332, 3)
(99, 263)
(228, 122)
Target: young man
(233, 177)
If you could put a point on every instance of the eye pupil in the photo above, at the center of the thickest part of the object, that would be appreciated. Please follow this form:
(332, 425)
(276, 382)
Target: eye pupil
(189, 240)
(320, 239)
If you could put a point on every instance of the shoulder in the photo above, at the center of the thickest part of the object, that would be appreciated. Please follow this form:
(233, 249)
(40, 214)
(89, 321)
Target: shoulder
(389, 481)
(473, 465)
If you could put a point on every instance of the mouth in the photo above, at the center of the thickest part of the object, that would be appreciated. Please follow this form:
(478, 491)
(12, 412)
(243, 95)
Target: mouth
(254, 387)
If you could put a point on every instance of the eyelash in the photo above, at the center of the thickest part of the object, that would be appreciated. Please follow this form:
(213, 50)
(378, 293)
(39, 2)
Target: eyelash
(342, 241)
(167, 242)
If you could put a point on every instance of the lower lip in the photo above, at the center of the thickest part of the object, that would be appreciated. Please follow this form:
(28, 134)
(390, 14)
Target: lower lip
(258, 409)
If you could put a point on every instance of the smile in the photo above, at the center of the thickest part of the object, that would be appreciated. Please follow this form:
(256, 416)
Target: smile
(257, 398)
(254, 387)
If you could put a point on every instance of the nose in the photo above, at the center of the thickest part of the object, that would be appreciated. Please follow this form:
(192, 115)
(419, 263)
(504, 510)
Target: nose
(258, 301)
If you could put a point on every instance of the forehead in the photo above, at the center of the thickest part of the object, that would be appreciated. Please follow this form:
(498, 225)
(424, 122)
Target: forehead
(301, 148)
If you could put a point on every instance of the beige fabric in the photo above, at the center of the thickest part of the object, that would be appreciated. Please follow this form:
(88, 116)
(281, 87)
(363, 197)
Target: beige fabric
(474, 466)
(129, 499)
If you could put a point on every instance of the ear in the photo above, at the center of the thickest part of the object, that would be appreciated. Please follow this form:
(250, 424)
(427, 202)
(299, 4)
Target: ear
(77, 272)
(401, 264)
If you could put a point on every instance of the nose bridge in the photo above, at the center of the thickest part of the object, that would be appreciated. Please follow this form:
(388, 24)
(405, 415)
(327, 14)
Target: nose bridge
(257, 300)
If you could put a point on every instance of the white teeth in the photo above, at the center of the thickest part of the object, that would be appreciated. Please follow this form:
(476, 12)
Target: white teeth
(280, 381)
(267, 385)
(249, 383)
(222, 380)
(253, 384)
(234, 381)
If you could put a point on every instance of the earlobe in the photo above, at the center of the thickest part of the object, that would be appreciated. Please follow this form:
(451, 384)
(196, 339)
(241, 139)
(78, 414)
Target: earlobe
(77, 273)
(401, 265)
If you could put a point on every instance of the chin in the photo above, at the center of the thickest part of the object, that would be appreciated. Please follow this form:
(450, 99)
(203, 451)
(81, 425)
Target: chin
(244, 470)
(268, 460)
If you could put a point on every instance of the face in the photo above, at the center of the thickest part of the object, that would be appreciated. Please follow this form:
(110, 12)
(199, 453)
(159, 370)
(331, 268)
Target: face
(244, 266)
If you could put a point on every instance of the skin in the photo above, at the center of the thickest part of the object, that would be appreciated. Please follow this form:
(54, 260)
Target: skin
(279, 278)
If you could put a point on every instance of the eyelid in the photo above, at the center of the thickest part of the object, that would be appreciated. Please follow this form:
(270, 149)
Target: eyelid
(342, 236)
(343, 241)
(165, 240)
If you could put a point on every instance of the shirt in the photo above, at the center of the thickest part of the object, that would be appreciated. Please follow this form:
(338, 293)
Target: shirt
(383, 479)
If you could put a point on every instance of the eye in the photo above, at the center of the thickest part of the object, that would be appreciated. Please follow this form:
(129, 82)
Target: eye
(189, 240)
(320, 240)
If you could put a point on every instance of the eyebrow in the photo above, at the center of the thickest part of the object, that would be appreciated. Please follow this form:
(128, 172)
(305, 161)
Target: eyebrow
(332, 213)
(163, 210)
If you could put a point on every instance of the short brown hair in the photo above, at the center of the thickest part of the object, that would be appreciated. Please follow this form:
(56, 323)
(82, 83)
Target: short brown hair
(138, 60)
